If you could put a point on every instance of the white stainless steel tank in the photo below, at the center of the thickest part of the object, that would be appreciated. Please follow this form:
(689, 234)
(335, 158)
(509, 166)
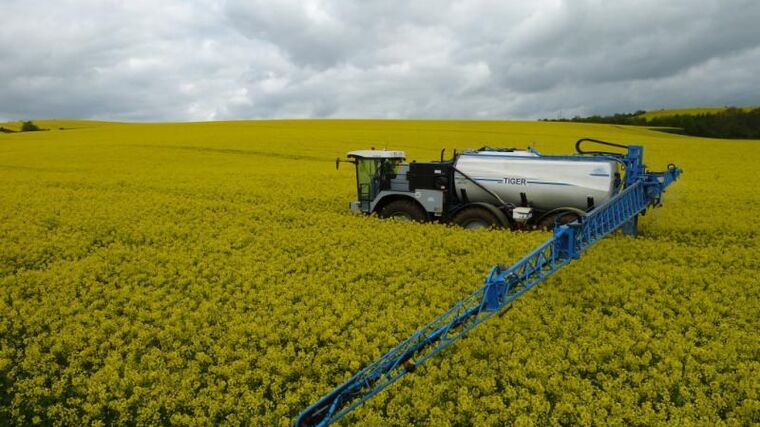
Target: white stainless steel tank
(547, 182)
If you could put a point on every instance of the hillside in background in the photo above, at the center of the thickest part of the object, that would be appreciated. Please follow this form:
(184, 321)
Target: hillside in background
(726, 122)
(57, 124)
(670, 112)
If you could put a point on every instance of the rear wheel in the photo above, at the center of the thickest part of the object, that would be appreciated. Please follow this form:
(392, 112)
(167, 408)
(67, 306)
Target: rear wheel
(476, 218)
(404, 210)
(564, 217)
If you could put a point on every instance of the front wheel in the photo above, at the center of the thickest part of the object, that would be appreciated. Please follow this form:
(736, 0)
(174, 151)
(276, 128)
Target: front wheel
(404, 210)
(476, 218)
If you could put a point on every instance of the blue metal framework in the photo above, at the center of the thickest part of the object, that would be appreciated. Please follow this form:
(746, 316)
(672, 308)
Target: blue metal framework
(502, 286)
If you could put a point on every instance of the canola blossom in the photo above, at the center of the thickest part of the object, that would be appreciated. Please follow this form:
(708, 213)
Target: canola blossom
(212, 273)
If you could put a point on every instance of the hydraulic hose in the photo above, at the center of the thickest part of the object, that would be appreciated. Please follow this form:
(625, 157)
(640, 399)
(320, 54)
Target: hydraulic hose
(482, 187)
(597, 141)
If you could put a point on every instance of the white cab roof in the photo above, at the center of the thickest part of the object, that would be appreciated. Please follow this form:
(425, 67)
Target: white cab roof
(377, 154)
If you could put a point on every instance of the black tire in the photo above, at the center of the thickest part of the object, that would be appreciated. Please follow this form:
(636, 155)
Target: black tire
(475, 218)
(404, 210)
(565, 217)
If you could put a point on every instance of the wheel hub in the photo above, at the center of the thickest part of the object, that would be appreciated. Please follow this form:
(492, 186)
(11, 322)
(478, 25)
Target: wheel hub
(402, 216)
(476, 225)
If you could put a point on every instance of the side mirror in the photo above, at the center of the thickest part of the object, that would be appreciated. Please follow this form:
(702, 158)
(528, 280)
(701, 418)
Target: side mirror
(338, 161)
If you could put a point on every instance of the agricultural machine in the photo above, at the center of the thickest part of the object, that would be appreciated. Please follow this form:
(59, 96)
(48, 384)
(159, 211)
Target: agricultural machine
(583, 197)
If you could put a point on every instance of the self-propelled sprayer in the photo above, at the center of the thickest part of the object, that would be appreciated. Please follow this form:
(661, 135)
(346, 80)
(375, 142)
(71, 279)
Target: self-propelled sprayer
(583, 197)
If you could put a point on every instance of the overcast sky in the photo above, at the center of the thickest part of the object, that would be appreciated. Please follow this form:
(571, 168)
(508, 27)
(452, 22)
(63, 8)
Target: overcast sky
(159, 60)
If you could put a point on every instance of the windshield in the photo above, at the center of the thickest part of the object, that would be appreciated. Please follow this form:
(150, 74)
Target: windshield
(374, 175)
(366, 169)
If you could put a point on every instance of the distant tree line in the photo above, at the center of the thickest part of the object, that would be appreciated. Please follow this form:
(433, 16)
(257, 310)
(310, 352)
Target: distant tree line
(27, 126)
(734, 123)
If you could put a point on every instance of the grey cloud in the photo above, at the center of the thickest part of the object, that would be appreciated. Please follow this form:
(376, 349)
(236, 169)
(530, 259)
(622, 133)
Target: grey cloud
(711, 83)
(225, 59)
(327, 34)
(597, 42)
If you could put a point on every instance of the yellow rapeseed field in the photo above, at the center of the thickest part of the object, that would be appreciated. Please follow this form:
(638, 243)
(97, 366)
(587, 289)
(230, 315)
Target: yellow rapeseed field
(211, 273)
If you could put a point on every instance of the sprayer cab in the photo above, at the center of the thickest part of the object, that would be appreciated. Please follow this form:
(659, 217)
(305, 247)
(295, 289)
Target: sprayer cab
(374, 171)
